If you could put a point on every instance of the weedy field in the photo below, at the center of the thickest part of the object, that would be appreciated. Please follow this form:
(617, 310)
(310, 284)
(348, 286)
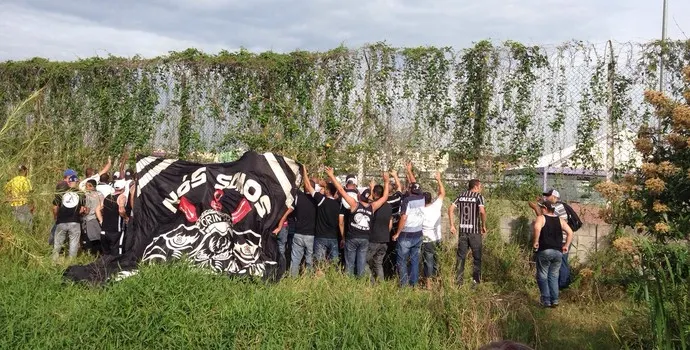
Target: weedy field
(179, 306)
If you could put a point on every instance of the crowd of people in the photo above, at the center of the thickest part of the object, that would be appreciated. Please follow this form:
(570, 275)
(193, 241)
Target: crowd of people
(383, 228)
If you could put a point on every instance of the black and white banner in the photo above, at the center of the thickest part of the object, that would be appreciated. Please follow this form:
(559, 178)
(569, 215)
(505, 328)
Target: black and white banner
(218, 216)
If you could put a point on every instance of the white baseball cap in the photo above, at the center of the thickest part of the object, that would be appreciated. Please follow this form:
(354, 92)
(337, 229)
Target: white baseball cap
(552, 192)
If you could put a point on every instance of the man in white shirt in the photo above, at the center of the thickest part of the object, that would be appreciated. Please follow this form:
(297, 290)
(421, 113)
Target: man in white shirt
(92, 175)
(431, 231)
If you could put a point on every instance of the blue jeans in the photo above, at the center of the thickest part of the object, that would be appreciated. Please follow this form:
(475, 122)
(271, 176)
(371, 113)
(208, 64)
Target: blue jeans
(326, 248)
(356, 250)
(408, 248)
(430, 258)
(548, 264)
(302, 246)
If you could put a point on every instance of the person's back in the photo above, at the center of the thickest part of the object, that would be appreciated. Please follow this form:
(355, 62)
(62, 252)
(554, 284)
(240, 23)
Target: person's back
(549, 246)
(67, 210)
(551, 236)
(17, 192)
(303, 239)
(469, 206)
(327, 225)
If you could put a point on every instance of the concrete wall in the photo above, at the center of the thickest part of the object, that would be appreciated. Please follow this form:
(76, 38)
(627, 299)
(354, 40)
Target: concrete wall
(588, 239)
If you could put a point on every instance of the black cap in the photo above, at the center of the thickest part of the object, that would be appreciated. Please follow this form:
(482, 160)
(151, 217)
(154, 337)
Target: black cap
(415, 188)
(546, 205)
(22, 167)
(365, 196)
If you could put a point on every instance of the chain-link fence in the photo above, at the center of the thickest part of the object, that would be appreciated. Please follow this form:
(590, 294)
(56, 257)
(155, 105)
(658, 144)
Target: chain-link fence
(495, 111)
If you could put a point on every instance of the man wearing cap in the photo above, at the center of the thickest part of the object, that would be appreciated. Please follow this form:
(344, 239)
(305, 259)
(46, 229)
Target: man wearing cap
(380, 236)
(17, 192)
(409, 233)
(360, 224)
(394, 199)
(344, 217)
(554, 197)
(68, 207)
(112, 217)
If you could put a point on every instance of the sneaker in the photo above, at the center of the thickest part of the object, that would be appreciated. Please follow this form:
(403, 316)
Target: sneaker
(554, 304)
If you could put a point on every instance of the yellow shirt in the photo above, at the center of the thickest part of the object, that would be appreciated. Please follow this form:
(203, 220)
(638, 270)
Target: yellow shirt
(17, 191)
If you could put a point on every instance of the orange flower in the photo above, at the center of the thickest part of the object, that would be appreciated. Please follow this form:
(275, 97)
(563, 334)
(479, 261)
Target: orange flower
(655, 185)
(634, 205)
(662, 227)
(610, 190)
(644, 145)
(667, 169)
(660, 208)
(649, 169)
(677, 141)
(681, 117)
(625, 245)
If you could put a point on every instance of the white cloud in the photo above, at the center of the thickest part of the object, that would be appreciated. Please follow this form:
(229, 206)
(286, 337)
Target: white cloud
(68, 29)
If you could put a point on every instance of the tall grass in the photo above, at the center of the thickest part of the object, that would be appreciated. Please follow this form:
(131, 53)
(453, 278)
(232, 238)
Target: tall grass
(178, 306)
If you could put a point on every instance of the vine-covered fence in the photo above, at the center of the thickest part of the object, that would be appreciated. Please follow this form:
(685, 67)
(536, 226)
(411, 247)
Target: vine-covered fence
(488, 107)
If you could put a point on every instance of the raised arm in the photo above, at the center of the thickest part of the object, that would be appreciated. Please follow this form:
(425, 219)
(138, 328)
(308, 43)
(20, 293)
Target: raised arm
(107, 166)
(307, 184)
(384, 198)
(350, 201)
(535, 207)
(394, 173)
(441, 189)
(409, 174)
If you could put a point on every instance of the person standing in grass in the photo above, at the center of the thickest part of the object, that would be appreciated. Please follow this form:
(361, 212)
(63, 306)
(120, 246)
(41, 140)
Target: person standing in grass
(93, 200)
(472, 217)
(380, 235)
(327, 216)
(394, 200)
(112, 216)
(91, 174)
(17, 192)
(431, 231)
(303, 239)
(360, 224)
(548, 243)
(409, 234)
(68, 207)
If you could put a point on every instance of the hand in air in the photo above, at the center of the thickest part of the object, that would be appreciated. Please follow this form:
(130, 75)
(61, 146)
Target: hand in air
(438, 176)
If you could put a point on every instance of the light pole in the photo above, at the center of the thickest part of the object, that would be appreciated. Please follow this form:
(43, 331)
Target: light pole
(663, 41)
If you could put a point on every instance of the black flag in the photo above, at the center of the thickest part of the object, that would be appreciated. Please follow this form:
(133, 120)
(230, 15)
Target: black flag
(220, 216)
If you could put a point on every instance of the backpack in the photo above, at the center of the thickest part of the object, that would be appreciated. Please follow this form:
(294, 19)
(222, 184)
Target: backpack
(573, 220)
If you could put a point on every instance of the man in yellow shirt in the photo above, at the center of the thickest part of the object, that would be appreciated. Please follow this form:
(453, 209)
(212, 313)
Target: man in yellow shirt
(17, 193)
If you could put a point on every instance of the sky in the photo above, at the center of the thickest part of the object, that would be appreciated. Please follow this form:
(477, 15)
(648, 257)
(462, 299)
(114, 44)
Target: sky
(72, 29)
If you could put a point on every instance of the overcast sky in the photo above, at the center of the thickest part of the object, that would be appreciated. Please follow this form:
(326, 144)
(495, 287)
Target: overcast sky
(72, 29)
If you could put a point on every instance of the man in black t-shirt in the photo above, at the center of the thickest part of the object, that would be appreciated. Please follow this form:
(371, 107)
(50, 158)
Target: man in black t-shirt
(394, 200)
(303, 239)
(68, 207)
(326, 229)
(362, 213)
(380, 236)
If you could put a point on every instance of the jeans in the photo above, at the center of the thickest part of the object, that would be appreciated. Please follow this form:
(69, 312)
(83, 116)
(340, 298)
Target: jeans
(73, 229)
(356, 250)
(430, 258)
(473, 241)
(326, 248)
(376, 253)
(302, 246)
(548, 264)
(408, 248)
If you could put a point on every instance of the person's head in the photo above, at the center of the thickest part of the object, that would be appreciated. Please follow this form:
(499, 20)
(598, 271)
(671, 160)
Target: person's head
(351, 182)
(547, 206)
(416, 188)
(393, 185)
(73, 181)
(331, 190)
(67, 174)
(129, 174)
(365, 197)
(427, 198)
(90, 172)
(90, 185)
(378, 192)
(23, 170)
(119, 186)
(474, 185)
(105, 178)
(552, 195)
(116, 176)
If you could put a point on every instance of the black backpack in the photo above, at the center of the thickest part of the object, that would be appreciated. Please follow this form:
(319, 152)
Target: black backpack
(573, 220)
